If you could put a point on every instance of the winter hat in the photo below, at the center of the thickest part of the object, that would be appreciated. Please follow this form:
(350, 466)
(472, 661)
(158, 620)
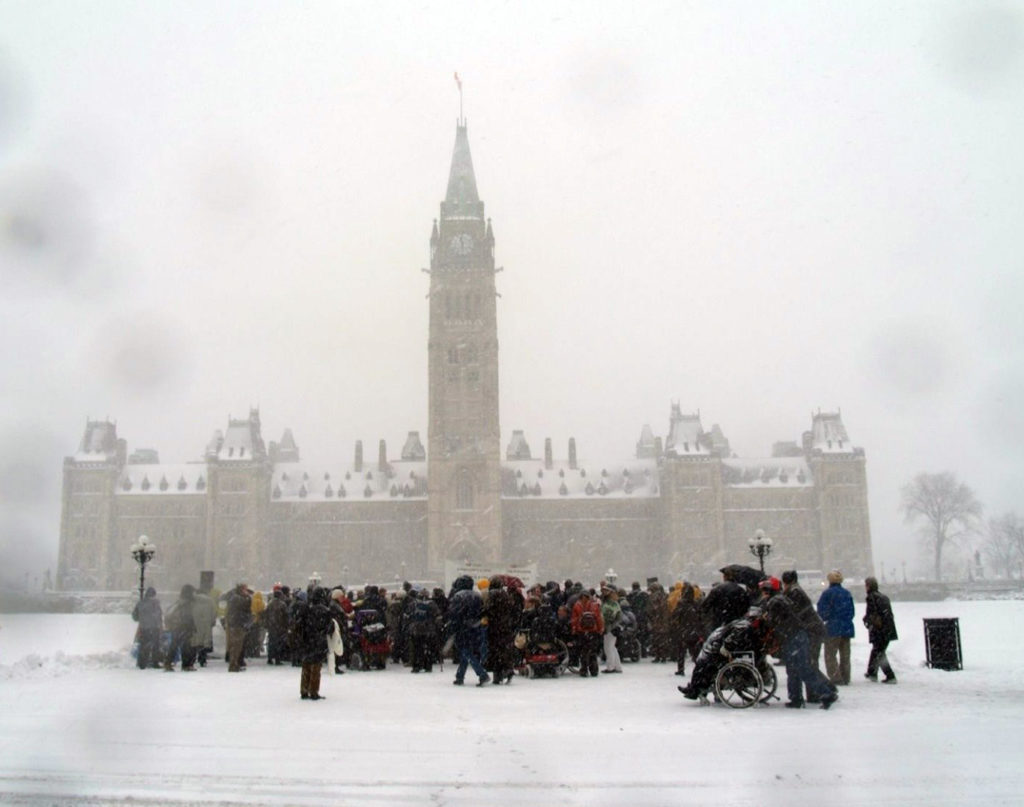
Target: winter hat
(835, 576)
(771, 585)
(483, 584)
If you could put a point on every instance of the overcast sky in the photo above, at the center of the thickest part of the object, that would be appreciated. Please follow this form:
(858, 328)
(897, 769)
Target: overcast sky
(757, 210)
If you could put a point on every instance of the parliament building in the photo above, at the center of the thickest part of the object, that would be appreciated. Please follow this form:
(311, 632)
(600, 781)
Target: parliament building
(679, 505)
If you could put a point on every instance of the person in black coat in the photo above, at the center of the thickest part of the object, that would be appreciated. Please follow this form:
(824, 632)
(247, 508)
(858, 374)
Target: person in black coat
(724, 603)
(881, 625)
(149, 615)
(502, 619)
(689, 627)
(275, 618)
(181, 624)
(808, 616)
(465, 606)
(312, 625)
(424, 621)
(791, 637)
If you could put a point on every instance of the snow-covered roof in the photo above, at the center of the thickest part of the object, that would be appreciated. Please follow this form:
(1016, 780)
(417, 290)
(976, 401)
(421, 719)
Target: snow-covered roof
(529, 478)
(684, 435)
(99, 442)
(238, 442)
(763, 473)
(302, 481)
(149, 480)
(828, 434)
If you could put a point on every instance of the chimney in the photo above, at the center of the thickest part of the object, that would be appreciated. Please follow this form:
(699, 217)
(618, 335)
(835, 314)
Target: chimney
(382, 456)
(359, 456)
(548, 463)
(572, 453)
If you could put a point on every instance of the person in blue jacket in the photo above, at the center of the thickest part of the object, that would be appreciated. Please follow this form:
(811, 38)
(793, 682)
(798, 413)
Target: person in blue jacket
(835, 607)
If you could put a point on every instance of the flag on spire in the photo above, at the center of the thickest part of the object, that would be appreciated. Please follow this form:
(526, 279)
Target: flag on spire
(458, 81)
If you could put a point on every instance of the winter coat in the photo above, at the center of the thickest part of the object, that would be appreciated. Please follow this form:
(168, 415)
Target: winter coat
(879, 619)
(805, 612)
(313, 624)
(502, 619)
(148, 613)
(782, 619)
(835, 607)
(687, 620)
(724, 603)
(611, 615)
(577, 615)
(424, 619)
(239, 610)
(179, 620)
(258, 606)
(204, 613)
(464, 610)
(275, 617)
(638, 599)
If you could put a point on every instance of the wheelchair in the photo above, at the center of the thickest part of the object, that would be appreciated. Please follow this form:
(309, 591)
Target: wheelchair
(743, 682)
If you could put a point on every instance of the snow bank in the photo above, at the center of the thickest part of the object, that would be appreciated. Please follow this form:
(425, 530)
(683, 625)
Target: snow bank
(103, 732)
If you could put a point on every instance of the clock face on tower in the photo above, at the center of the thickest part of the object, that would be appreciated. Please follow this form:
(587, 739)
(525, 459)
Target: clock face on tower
(461, 244)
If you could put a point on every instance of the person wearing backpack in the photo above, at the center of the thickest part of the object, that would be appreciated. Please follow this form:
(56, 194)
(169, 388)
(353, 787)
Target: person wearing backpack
(588, 629)
(424, 619)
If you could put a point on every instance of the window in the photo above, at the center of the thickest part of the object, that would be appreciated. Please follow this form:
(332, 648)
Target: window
(464, 492)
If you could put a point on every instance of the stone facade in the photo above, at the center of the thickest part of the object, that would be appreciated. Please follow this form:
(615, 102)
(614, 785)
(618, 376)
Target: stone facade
(681, 506)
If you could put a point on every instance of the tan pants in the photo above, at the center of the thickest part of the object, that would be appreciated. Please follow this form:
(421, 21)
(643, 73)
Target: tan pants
(236, 642)
(310, 683)
(837, 669)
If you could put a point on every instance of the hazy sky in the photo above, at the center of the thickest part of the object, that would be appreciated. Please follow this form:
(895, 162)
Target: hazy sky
(757, 210)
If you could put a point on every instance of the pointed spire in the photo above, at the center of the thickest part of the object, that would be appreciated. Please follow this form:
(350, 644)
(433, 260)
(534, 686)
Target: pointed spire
(461, 180)
(461, 198)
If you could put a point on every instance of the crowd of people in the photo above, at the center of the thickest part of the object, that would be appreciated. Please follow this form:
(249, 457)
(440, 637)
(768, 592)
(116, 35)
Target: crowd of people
(498, 627)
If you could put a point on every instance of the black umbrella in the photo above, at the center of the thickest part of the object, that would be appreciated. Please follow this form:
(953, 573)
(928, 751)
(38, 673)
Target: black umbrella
(746, 575)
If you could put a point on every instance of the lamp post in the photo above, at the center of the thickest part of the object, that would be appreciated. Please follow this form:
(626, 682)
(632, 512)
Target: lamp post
(143, 551)
(611, 577)
(760, 547)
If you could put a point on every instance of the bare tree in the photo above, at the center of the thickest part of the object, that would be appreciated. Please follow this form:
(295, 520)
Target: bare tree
(948, 506)
(1004, 545)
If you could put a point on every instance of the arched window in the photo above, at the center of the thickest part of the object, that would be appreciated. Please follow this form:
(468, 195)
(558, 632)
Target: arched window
(464, 492)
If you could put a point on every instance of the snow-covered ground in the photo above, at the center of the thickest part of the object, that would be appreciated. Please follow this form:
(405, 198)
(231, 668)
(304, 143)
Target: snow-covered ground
(81, 725)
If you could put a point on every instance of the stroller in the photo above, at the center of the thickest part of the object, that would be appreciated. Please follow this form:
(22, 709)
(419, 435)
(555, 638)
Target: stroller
(370, 644)
(628, 638)
(543, 653)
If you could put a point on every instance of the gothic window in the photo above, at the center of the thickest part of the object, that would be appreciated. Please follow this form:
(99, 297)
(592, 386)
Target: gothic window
(476, 306)
(453, 355)
(466, 307)
(470, 354)
(464, 492)
(448, 305)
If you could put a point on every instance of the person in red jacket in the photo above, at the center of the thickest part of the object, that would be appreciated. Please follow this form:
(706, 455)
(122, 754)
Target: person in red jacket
(588, 629)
